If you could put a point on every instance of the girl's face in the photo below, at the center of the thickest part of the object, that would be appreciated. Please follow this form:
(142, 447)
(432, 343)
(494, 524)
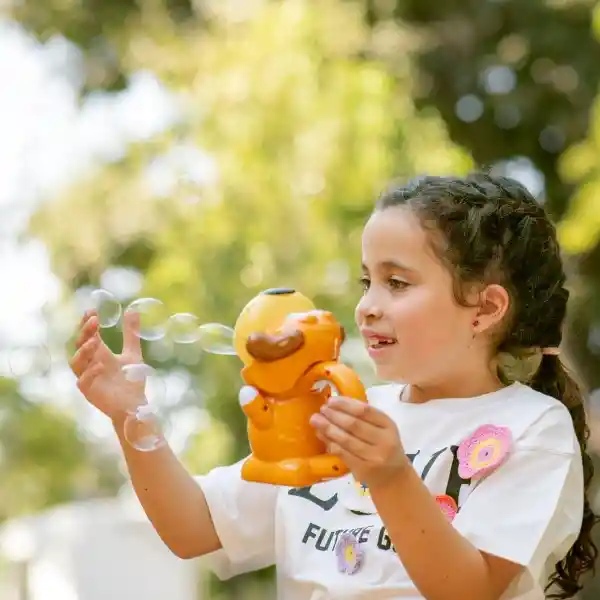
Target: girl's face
(414, 329)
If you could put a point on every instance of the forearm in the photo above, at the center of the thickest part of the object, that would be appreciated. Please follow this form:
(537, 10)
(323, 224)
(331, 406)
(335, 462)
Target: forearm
(171, 498)
(439, 560)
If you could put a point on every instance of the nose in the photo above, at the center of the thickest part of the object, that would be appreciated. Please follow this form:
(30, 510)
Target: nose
(368, 308)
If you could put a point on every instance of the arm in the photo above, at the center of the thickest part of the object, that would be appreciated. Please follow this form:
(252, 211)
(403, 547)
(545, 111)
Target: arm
(522, 517)
(440, 561)
(220, 511)
(525, 515)
(171, 498)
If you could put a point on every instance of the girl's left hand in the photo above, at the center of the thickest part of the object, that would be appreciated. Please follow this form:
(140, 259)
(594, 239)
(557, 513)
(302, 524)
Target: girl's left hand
(365, 438)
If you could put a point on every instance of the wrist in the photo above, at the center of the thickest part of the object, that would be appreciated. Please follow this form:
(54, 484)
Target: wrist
(121, 413)
(391, 477)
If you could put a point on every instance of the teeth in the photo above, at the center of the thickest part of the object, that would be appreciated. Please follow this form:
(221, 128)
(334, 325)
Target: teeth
(374, 343)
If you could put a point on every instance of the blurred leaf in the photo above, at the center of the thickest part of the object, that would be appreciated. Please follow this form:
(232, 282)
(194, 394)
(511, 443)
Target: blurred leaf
(43, 461)
(290, 139)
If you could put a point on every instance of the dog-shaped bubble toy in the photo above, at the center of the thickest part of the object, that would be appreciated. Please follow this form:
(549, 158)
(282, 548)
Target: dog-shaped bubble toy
(290, 352)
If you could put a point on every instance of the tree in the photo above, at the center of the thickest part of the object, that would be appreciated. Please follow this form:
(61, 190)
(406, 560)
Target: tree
(34, 478)
(295, 138)
(299, 139)
(510, 79)
(305, 114)
(519, 80)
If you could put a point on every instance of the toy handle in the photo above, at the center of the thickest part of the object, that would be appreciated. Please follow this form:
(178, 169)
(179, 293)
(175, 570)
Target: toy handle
(342, 377)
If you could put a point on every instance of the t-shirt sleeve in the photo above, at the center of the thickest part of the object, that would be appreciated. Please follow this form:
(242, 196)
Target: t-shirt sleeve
(243, 514)
(530, 510)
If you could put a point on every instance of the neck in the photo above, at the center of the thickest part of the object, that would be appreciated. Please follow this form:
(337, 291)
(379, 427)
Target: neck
(465, 386)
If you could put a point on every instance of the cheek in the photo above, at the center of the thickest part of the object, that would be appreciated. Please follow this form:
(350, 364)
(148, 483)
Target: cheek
(429, 320)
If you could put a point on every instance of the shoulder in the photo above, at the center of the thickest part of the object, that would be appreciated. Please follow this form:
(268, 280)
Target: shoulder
(544, 422)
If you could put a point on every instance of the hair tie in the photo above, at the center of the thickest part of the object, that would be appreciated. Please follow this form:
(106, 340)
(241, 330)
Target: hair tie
(551, 351)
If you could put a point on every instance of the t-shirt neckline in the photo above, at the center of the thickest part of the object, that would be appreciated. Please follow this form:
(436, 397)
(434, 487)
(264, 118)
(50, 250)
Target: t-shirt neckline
(501, 394)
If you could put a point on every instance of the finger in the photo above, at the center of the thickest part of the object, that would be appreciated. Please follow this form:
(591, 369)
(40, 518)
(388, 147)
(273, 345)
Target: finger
(88, 329)
(350, 459)
(86, 316)
(359, 409)
(83, 357)
(132, 343)
(333, 434)
(87, 378)
(357, 426)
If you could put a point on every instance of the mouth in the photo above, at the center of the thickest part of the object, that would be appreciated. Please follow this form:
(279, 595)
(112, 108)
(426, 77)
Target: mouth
(379, 342)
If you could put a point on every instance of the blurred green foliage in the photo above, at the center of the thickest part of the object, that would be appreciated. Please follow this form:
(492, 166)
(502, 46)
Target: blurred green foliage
(301, 138)
(509, 78)
(295, 114)
(43, 460)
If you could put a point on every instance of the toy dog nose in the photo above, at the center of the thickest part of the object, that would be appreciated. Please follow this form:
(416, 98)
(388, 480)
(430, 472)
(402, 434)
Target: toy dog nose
(279, 291)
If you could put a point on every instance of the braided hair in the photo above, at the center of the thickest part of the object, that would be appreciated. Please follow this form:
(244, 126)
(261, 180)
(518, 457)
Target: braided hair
(489, 229)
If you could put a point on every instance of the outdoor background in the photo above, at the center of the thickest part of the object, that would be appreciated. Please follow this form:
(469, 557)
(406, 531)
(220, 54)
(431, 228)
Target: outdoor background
(199, 151)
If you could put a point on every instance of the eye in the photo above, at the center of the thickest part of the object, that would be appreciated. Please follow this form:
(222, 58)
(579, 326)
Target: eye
(397, 284)
(364, 282)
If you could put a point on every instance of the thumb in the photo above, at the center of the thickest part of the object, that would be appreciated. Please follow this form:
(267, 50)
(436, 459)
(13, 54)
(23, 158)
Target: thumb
(132, 344)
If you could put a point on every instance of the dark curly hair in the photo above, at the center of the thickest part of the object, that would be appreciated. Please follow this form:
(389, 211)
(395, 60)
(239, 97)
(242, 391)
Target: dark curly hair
(490, 229)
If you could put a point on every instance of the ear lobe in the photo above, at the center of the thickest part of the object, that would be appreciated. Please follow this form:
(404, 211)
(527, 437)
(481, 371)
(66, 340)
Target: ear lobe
(494, 304)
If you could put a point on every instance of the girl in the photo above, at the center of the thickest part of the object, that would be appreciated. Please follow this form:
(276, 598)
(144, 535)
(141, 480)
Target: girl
(469, 478)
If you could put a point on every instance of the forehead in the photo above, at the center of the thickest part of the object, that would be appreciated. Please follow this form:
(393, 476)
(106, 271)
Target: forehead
(396, 235)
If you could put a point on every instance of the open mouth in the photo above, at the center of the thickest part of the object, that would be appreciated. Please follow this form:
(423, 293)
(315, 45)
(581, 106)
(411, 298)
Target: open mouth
(376, 344)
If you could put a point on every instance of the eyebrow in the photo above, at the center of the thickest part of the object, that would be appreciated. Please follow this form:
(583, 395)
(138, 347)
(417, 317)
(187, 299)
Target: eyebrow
(391, 265)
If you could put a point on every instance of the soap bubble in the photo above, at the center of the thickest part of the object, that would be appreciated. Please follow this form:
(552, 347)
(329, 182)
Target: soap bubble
(106, 306)
(143, 429)
(151, 385)
(183, 328)
(215, 338)
(187, 354)
(153, 318)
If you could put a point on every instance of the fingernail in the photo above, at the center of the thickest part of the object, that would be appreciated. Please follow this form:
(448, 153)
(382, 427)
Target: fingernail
(316, 419)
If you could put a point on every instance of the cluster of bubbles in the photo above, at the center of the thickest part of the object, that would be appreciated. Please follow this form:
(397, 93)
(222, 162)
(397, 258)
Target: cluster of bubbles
(155, 324)
(143, 428)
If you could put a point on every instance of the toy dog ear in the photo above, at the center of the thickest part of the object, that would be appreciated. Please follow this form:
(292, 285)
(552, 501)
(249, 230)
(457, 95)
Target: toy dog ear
(269, 348)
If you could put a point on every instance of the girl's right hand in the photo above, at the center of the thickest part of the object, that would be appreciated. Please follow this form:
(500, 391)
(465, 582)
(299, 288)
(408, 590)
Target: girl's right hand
(99, 371)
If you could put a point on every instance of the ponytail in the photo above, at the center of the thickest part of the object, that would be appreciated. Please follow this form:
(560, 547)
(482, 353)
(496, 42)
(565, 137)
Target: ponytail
(554, 380)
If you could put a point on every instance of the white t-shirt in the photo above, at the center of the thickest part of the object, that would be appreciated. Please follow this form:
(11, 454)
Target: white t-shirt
(528, 511)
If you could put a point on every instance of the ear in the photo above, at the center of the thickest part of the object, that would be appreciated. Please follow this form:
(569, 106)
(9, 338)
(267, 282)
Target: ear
(493, 305)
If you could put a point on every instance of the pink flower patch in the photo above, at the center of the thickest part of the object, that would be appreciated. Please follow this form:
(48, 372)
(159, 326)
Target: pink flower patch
(483, 451)
(448, 506)
(350, 556)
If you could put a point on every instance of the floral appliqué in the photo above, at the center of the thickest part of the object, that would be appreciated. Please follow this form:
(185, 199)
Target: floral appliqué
(350, 556)
(483, 451)
(448, 506)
